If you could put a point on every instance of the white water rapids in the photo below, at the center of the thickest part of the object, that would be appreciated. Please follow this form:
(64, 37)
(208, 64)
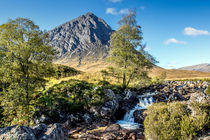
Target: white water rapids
(128, 120)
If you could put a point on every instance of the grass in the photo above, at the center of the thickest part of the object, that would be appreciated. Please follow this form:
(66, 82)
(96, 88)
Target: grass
(90, 72)
(172, 74)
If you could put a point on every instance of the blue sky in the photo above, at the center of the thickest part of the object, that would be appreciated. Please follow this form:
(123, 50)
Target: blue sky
(177, 32)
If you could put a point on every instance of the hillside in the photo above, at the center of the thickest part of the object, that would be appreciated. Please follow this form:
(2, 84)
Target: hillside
(176, 74)
(172, 74)
(200, 67)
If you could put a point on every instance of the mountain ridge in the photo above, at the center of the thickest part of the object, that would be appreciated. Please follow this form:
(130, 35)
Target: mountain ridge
(204, 67)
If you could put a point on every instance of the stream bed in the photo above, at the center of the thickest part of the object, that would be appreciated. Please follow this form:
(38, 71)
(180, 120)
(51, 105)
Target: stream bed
(128, 120)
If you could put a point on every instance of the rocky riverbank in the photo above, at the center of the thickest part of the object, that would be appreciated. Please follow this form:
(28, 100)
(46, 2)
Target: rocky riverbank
(99, 122)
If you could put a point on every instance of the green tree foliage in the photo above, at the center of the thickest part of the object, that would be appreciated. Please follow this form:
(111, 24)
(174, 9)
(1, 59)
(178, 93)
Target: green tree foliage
(174, 121)
(24, 62)
(127, 50)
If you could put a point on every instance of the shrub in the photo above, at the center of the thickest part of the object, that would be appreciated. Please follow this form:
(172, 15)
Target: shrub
(166, 121)
(208, 90)
(160, 78)
(71, 96)
(61, 71)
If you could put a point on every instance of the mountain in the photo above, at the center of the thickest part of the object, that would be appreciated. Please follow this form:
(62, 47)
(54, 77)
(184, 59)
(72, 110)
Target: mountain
(80, 40)
(200, 67)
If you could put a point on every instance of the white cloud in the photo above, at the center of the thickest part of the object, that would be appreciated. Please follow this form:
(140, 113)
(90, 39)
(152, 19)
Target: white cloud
(111, 11)
(142, 7)
(171, 64)
(124, 11)
(194, 32)
(174, 41)
(115, 1)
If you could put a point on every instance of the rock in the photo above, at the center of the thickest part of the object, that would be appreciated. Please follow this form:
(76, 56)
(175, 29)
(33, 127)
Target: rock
(88, 118)
(39, 130)
(42, 119)
(55, 132)
(95, 110)
(159, 98)
(166, 89)
(175, 97)
(127, 101)
(108, 109)
(17, 133)
(75, 118)
(109, 93)
(113, 127)
(139, 116)
(204, 138)
(198, 97)
(109, 136)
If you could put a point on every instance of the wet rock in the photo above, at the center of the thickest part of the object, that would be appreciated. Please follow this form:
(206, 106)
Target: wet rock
(17, 133)
(139, 116)
(108, 109)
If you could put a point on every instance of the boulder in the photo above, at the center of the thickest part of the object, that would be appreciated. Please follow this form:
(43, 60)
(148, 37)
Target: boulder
(198, 97)
(17, 133)
(108, 110)
(175, 97)
(109, 93)
(139, 116)
(127, 101)
(39, 130)
(113, 127)
(159, 98)
(55, 132)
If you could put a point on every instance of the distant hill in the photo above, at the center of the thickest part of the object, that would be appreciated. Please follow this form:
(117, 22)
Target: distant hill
(178, 74)
(83, 39)
(200, 67)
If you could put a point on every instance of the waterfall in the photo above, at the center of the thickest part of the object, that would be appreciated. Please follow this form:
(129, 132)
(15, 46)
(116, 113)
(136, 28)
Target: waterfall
(128, 120)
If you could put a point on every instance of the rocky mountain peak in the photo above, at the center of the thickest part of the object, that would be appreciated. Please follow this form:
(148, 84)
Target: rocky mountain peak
(82, 39)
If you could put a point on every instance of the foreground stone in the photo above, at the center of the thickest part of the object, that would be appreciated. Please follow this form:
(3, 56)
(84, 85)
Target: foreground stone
(17, 133)
(110, 132)
(39, 132)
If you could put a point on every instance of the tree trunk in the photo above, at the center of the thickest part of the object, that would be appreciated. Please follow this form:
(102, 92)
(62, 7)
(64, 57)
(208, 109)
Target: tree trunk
(130, 77)
(124, 81)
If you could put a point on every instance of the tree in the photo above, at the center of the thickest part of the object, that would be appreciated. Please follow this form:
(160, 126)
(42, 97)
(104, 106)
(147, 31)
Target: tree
(127, 50)
(25, 59)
